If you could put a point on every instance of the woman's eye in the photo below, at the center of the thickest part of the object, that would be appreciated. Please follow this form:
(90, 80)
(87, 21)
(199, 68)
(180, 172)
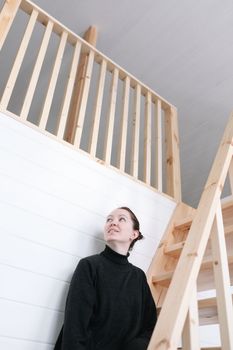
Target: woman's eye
(122, 219)
(108, 220)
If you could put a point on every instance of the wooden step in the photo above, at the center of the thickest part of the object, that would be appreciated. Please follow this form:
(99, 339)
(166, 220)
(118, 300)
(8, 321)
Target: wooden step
(208, 313)
(227, 208)
(174, 250)
(164, 279)
(183, 224)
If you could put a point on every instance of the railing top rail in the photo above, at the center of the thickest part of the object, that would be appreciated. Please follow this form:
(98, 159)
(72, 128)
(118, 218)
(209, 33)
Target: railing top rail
(43, 17)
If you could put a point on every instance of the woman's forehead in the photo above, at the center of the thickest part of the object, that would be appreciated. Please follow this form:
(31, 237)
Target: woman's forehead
(118, 212)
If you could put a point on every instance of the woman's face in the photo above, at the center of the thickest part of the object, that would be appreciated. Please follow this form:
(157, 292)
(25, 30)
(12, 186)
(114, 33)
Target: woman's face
(119, 227)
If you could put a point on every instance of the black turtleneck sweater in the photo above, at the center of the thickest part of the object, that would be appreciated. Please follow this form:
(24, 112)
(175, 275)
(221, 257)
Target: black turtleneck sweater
(109, 304)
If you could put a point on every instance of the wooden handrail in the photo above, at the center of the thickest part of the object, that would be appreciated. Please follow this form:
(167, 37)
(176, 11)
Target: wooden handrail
(89, 108)
(171, 320)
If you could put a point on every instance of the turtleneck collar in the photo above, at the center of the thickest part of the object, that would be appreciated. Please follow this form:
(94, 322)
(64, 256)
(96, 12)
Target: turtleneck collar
(114, 256)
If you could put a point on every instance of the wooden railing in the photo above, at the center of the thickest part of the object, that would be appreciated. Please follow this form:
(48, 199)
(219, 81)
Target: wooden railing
(115, 117)
(180, 303)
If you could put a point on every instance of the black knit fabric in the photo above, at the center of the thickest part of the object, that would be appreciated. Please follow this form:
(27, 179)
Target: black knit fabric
(109, 305)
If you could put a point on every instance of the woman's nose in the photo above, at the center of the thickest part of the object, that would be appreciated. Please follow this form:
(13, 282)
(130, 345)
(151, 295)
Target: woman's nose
(113, 222)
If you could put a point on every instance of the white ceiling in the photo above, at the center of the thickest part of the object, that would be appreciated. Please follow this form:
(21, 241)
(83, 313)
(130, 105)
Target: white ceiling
(181, 49)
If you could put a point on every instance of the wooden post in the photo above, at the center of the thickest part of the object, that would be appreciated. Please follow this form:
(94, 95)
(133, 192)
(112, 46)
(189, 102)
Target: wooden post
(7, 15)
(222, 281)
(91, 37)
(190, 336)
(172, 154)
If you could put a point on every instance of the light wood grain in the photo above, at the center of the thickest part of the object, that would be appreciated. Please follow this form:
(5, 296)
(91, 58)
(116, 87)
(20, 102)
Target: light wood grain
(94, 131)
(68, 94)
(52, 83)
(7, 16)
(124, 126)
(158, 147)
(18, 61)
(222, 281)
(111, 117)
(36, 71)
(135, 132)
(168, 331)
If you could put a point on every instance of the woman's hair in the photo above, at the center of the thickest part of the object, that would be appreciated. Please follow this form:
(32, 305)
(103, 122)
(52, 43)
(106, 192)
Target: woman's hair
(136, 226)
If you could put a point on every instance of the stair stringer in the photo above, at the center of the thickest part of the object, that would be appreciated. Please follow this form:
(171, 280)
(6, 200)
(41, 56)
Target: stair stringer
(162, 263)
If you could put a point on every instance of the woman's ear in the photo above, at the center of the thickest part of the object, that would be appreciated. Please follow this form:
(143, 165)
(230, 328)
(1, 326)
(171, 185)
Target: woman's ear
(135, 234)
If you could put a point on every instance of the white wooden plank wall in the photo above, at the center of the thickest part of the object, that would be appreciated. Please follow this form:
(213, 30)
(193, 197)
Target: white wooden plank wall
(53, 204)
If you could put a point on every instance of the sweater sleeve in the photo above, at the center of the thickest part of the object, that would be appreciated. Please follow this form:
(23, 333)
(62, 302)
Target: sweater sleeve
(150, 312)
(79, 308)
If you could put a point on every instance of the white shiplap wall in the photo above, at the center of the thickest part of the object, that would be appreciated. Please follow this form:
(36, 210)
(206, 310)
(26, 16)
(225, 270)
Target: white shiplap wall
(53, 203)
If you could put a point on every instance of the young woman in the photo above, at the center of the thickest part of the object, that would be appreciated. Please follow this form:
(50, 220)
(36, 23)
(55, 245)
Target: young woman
(109, 304)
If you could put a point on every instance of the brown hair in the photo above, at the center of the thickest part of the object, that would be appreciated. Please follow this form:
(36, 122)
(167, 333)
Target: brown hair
(136, 226)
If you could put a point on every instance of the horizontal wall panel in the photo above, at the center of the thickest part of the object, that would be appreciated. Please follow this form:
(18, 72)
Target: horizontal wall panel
(68, 189)
(47, 232)
(18, 320)
(53, 237)
(31, 288)
(19, 344)
(19, 252)
(41, 203)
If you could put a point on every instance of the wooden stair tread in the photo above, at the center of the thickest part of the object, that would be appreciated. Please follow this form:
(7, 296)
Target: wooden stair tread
(175, 250)
(185, 223)
(227, 202)
(164, 278)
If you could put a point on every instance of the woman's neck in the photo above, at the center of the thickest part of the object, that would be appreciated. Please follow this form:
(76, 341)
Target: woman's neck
(118, 248)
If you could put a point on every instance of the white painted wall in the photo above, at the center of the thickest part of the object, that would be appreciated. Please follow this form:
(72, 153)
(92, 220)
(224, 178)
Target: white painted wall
(53, 204)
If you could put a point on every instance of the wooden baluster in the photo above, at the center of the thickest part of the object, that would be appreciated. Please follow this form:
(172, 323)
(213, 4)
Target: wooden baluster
(81, 86)
(111, 117)
(124, 126)
(83, 100)
(222, 281)
(172, 154)
(36, 71)
(230, 174)
(135, 132)
(7, 16)
(68, 94)
(97, 110)
(18, 60)
(190, 336)
(53, 81)
(147, 140)
(158, 147)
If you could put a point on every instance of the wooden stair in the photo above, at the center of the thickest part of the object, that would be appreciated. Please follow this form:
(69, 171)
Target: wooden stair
(172, 250)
